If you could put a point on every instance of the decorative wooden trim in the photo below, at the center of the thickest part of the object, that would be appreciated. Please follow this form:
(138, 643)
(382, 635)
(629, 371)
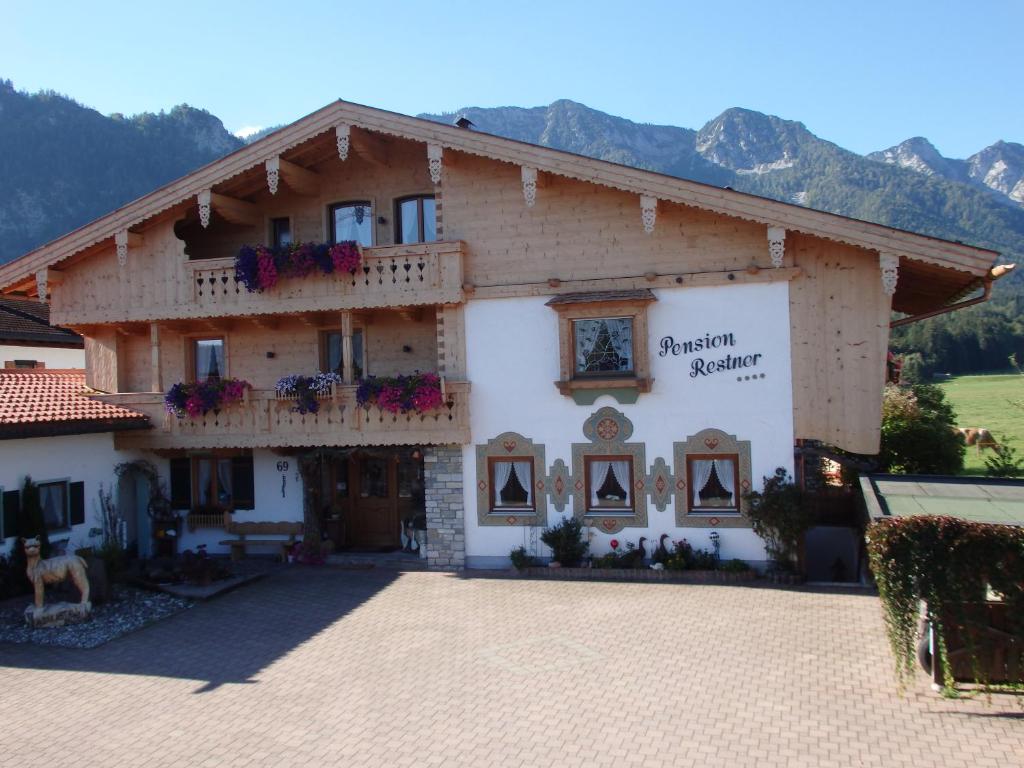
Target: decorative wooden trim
(529, 176)
(648, 212)
(713, 443)
(777, 245)
(608, 429)
(341, 136)
(510, 445)
(569, 380)
(889, 263)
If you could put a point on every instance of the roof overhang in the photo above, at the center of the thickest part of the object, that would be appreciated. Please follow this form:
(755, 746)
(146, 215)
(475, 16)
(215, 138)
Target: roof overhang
(934, 271)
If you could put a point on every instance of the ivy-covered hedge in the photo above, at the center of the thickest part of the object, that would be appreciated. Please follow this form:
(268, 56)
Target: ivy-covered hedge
(948, 563)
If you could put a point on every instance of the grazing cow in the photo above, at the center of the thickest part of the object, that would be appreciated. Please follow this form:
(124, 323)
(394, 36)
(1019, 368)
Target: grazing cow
(979, 437)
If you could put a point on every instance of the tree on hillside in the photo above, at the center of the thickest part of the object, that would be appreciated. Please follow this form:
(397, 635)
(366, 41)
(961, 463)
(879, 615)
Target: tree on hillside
(918, 432)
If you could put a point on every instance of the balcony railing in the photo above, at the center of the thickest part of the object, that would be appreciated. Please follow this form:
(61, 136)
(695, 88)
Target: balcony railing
(268, 420)
(389, 276)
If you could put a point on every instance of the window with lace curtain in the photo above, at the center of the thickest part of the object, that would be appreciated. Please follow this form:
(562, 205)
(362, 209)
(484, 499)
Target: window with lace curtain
(511, 482)
(609, 484)
(713, 481)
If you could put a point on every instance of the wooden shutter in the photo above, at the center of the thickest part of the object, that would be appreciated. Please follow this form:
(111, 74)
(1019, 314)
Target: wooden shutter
(242, 482)
(76, 503)
(12, 511)
(181, 483)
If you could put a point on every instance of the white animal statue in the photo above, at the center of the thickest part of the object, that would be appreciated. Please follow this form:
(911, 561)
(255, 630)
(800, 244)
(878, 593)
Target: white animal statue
(53, 570)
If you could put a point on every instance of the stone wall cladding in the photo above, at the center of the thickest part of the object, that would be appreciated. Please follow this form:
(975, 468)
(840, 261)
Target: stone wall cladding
(446, 527)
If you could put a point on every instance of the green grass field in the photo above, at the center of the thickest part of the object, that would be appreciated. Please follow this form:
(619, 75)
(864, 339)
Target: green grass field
(984, 401)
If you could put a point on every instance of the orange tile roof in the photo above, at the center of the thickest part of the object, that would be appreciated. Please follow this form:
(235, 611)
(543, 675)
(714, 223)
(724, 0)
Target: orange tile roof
(40, 402)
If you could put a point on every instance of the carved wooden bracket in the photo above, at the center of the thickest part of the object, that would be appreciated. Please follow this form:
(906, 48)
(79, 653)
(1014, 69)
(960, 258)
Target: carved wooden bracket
(41, 286)
(273, 174)
(204, 208)
(434, 152)
(529, 186)
(890, 266)
(341, 133)
(124, 240)
(648, 212)
(777, 245)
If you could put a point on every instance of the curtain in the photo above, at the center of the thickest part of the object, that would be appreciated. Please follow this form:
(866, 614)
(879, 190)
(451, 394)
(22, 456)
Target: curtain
(502, 471)
(598, 473)
(224, 482)
(725, 469)
(522, 469)
(620, 469)
(620, 332)
(701, 470)
(205, 477)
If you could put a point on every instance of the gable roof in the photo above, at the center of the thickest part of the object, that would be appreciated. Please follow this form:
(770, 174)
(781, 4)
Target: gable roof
(28, 320)
(973, 263)
(37, 403)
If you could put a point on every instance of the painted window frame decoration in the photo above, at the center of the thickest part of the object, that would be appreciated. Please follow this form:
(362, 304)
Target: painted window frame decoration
(585, 387)
(511, 445)
(711, 443)
(607, 431)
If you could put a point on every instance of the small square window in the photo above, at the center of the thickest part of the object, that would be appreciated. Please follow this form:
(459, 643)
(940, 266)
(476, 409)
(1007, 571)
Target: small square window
(280, 232)
(53, 500)
(603, 346)
(713, 483)
(609, 484)
(208, 359)
(511, 482)
(416, 219)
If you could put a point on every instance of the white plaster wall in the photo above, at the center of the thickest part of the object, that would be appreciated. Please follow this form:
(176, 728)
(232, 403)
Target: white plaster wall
(86, 458)
(512, 357)
(53, 357)
(271, 505)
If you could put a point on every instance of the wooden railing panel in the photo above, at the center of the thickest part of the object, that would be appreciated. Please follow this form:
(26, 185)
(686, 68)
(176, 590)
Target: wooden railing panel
(264, 419)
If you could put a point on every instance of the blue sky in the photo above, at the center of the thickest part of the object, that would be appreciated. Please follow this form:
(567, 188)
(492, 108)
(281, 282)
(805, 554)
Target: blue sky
(865, 75)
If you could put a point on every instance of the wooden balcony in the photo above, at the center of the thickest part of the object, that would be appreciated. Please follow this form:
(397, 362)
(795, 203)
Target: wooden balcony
(390, 276)
(266, 420)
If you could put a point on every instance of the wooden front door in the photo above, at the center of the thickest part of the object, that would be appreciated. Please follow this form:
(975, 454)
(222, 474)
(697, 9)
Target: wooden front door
(372, 492)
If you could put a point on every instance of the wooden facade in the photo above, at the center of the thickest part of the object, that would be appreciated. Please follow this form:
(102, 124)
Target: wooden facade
(513, 222)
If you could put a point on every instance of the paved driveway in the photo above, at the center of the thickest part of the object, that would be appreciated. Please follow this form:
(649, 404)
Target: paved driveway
(328, 667)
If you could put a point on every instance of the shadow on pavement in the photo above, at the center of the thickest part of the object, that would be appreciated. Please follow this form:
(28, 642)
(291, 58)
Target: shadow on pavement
(226, 640)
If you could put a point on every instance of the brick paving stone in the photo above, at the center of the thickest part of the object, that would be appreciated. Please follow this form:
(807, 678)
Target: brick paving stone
(364, 668)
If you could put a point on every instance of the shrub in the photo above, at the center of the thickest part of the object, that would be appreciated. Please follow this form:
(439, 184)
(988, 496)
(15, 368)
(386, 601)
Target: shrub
(918, 432)
(946, 562)
(685, 558)
(779, 516)
(564, 539)
(520, 558)
(734, 566)
(1004, 461)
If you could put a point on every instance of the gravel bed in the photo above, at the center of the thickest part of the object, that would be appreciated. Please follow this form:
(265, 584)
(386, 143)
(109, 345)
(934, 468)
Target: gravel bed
(130, 609)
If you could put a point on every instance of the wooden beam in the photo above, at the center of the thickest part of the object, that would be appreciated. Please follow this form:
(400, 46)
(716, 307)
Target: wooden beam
(300, 180)
(234, 210)
(369, 146)
(264, 322)
(155, 374)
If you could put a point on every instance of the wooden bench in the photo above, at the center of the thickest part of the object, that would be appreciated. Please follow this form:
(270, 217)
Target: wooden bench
(278, 530)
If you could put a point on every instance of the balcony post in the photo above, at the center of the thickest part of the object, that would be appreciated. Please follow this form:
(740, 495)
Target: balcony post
(156, 377)
(346, 347)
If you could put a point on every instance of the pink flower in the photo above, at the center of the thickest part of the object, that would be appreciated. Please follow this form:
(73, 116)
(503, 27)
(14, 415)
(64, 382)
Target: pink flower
(194, 406)
(390, 399)
(266, 269)
(427, 398)
(345, 257)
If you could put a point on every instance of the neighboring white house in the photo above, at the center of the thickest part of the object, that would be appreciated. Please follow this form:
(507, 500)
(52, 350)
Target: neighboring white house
(51, 431)
(27, 340)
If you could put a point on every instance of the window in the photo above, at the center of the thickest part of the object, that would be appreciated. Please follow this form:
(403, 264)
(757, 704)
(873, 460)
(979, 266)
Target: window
(609, 480)
(373, 479)
(280, 232)
(331, 353)
(511, 482)
(208, 359)
(213, 482)
(713, 481)
(352, 221)
(603, 346)
(713, 474)
(53, 500)
(24, 364)
(416, 219)
(602, 340)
